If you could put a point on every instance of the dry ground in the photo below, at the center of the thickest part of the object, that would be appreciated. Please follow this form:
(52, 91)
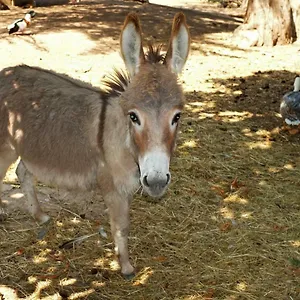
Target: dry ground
(229, 226)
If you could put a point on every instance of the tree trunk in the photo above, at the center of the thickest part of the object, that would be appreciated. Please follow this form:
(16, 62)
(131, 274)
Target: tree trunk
(6, 4)
(268, 23)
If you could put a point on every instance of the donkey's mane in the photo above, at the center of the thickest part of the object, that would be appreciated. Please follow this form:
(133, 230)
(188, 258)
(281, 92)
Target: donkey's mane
(154, 55)
(116, 83)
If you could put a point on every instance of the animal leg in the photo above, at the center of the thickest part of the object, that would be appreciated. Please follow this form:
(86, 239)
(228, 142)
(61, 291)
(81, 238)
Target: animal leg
(27, 185)
(118, 209)
(6, 159)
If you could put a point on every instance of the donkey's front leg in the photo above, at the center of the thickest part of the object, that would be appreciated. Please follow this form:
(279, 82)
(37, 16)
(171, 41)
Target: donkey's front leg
(118, 208)
(27, 185)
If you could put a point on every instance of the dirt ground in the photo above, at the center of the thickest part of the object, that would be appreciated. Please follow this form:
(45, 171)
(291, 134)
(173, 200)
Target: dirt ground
(229, 226)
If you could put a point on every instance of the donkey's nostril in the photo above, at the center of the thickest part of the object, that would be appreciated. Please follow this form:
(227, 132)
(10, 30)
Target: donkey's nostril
(168, 178)
(145, 182)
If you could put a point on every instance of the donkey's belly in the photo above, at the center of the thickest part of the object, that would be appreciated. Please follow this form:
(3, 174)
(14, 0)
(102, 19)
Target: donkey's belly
(68, 178)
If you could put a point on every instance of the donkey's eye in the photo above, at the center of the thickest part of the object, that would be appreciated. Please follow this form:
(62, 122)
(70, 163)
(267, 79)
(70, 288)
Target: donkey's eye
(134, 118)
(176, 118)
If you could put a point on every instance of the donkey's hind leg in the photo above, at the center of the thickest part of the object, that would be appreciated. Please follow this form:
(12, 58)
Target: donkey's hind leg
(27, 185)
(7, 157)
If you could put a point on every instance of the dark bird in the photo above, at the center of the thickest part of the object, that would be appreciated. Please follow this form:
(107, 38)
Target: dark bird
(21, 24)
(290, 105)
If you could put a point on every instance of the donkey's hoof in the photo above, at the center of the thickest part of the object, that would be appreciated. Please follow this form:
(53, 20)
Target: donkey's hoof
(44, 229)
(3, 214)
(129, 276)
(3, 217)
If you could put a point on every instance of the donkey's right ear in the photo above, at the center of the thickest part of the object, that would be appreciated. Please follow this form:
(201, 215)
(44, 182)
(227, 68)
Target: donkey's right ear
(131, 44)
(179, 44)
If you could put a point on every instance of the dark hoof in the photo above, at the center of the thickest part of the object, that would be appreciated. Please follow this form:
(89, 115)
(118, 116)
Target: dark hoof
(44, 229)
(3, 214)
(3, 217)
(129, 276)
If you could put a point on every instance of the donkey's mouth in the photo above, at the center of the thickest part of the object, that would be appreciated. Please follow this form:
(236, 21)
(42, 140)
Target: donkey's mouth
(155, 193)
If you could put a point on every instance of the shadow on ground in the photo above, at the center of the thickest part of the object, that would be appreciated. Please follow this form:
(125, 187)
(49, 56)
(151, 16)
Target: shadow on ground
(103, 20)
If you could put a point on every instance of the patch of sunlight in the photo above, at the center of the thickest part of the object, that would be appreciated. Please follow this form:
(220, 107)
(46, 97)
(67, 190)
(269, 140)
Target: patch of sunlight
(210, 104)
(227, 213)
(238, 92)
(56, 42)
(203, 116)
(234, 116)
(99, 262)
(32, 279)
(109, 253)
(98, 284)
(259, 145)
(247, 132)
(17, 195)
(67, 281)
(42, 242)
(274, 170)
(51, 269)
(59, 224)
(246, 215)
(289, 167)
(263, 183)
(262, 132)
(8, 293)
(143, 277)
(235, 198)
(241, 286)
(41, 285)
(295, 243)
(83, 294)
(39, 259)
(114, 265)
(189, 144)
(76, 220)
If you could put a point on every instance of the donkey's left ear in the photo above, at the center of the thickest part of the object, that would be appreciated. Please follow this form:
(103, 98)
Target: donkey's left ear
(131, 44)
(179, 44)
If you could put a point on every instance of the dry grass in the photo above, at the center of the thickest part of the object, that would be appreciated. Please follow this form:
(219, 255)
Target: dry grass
(229, 226)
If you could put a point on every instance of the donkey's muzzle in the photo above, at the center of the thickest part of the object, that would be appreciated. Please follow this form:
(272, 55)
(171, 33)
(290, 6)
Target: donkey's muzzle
(154, 170)
(156, 184)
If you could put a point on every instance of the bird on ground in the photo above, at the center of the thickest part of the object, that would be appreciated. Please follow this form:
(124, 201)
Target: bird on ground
(290, 105)
(21, 24)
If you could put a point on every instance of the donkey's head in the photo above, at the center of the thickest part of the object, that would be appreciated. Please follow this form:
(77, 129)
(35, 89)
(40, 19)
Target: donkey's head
(153, 100)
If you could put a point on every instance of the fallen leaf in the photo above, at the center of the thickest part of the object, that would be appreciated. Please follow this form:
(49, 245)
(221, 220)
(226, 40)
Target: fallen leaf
(219, 191)
(20, 251)
(209, 294)
(234, 184)
(160, 258)
(293, 131)
(226, 226)
(278, 228)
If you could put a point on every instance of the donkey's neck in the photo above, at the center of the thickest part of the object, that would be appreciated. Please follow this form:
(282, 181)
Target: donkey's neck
(116, 149)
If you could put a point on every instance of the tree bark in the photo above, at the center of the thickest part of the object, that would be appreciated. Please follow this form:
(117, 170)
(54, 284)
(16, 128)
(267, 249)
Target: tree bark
(268, 23)
(6, 4)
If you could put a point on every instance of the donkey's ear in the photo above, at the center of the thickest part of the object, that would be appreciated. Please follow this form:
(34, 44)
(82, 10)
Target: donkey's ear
(131, 44)
(179, 44)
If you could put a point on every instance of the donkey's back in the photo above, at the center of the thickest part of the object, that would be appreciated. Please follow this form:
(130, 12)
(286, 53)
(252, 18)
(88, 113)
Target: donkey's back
(51, 121)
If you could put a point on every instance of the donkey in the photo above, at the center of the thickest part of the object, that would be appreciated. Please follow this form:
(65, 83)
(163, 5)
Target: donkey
(71, 134)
